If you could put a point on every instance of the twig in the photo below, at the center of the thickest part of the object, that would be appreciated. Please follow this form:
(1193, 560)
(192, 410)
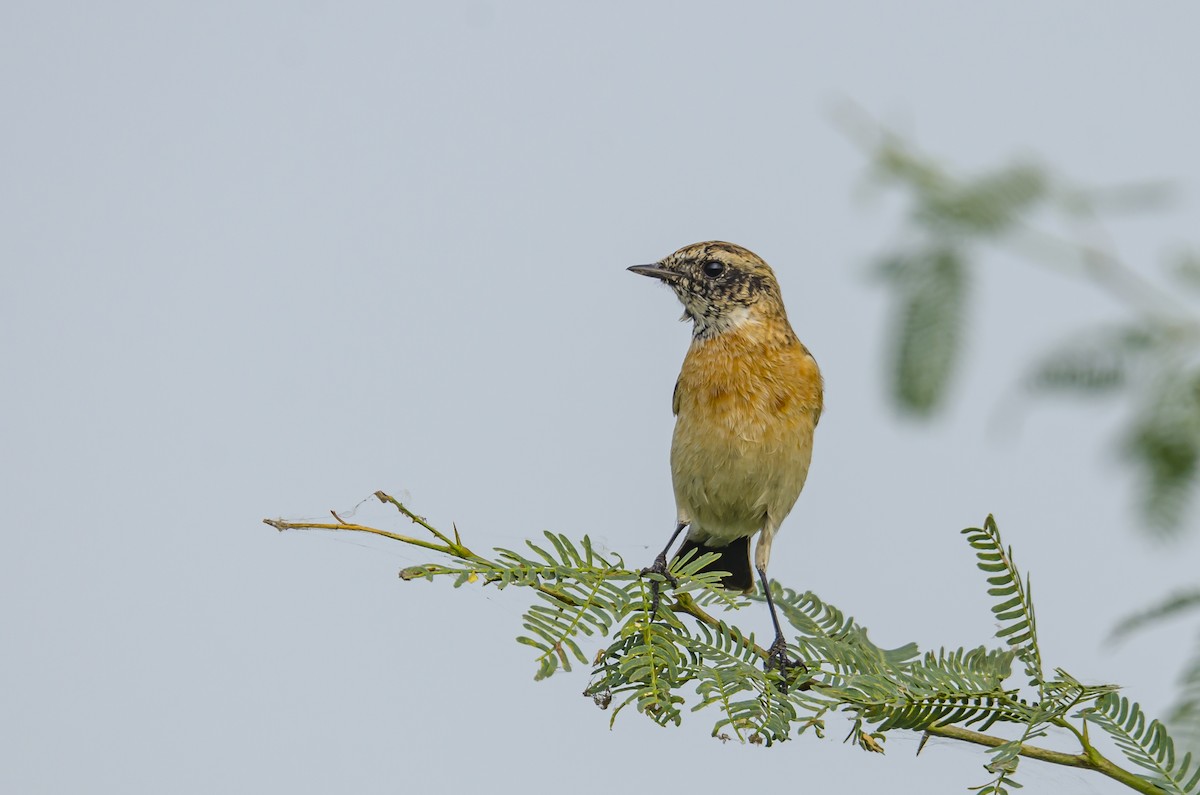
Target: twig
(385, 498)
(1090, 759)
(281, 525)
(452, 548)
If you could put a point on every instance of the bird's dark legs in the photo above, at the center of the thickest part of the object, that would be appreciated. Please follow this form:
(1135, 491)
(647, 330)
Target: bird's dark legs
(660, 567)
(777, 655)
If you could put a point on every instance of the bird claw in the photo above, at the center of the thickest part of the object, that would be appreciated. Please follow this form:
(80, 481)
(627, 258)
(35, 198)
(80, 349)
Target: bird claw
(659, 567)
(778, 659)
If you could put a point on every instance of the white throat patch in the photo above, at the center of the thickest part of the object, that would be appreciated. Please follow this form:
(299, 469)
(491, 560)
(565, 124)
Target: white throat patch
(707, 326)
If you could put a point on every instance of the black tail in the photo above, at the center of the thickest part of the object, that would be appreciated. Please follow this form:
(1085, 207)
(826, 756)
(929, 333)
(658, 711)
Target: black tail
(735, 559)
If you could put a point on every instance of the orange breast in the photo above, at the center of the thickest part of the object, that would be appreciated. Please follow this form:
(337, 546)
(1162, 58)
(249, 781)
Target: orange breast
(747, 403)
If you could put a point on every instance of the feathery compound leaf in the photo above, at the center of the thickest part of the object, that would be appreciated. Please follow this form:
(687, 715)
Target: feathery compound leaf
(1170, 607)
(930, 290)
(1164, 444)
(1132, 197)
(1184, 718)
(1064, 693)
(943, 688)
(987, 205)
(1014, 607)
(1098, 362)
(653, 657)
(1145, 743)
(729, 674)
(1185, 267)
(589, 597)
(895, 161)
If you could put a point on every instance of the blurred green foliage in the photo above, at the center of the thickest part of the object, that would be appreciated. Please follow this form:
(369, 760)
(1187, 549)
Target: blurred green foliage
(1147, 356)
(930, 286)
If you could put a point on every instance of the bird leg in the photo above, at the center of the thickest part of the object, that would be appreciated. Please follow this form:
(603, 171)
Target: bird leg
(660, 567)
(777, 654)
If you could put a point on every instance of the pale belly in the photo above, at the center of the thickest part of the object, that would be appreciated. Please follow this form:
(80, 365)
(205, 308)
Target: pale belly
(729, 477)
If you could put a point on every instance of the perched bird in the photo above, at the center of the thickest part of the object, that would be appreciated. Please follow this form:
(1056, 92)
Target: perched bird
(746, 404)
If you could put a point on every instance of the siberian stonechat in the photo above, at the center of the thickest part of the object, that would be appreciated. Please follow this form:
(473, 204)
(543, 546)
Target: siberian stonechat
(746, 404)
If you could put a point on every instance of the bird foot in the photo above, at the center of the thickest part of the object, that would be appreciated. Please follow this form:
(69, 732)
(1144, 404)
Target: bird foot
(659, 567)
(778, 659)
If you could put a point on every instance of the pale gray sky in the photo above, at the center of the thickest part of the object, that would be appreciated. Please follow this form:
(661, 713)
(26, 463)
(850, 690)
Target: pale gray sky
(262, 259)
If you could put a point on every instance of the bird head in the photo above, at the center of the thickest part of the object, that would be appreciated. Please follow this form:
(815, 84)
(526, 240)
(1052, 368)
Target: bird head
(720, 285)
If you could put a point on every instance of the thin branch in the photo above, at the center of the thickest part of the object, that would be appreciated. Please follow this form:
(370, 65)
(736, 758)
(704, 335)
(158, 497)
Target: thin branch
(451, 548)
(1101, 267)
(1091, 759)
(281, 525)
(388, 499)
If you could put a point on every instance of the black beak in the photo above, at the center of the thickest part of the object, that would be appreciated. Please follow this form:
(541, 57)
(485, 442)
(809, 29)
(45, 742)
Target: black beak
(657, 271)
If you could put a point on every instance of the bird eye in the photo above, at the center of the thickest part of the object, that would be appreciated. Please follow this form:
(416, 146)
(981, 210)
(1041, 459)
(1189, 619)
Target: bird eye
(712, 269)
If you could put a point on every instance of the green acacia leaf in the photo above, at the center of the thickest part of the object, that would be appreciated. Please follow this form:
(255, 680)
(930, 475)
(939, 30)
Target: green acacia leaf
(929, 289)
(1101, 361)
(1164, 445)
(1144, 742)
(986, 205)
